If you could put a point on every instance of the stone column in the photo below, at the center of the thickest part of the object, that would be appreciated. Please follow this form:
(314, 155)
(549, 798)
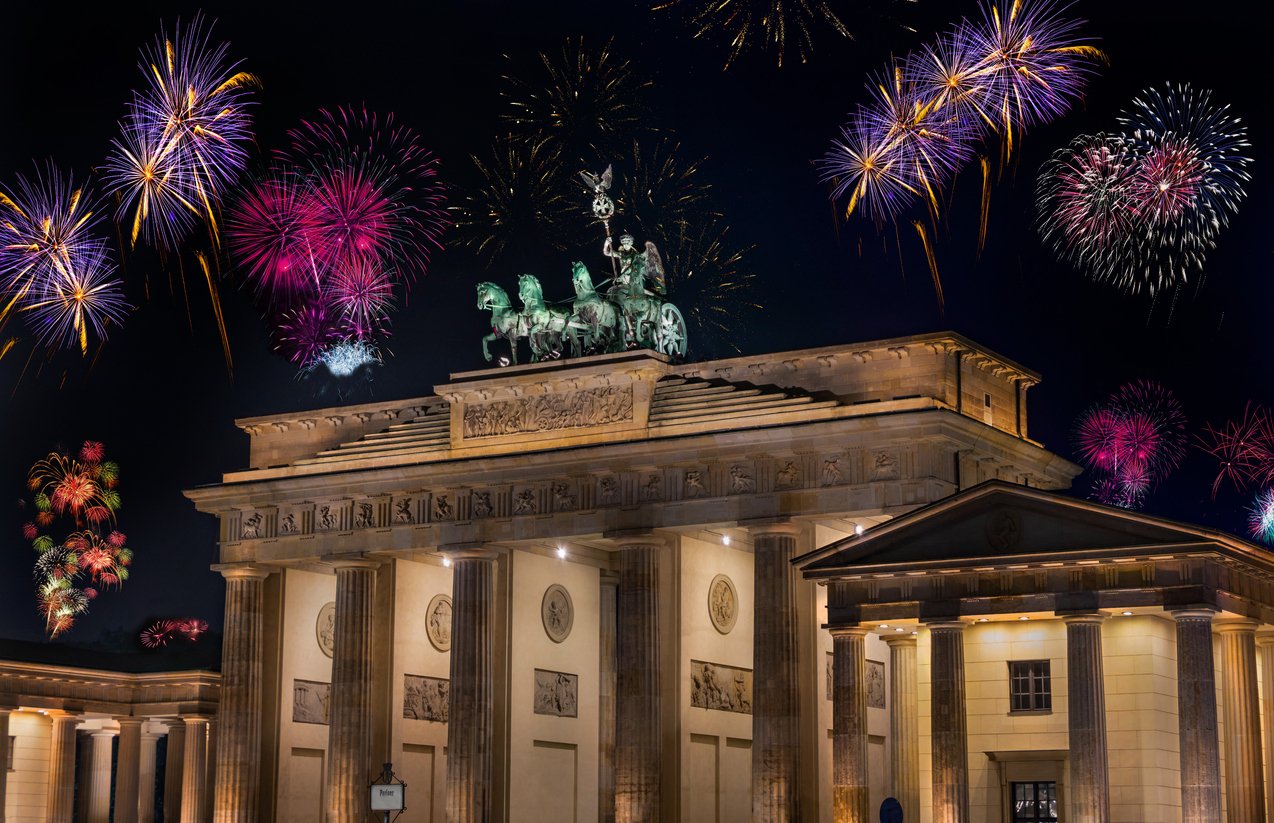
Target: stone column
(950, 725)
(904, 724)
(1265, 645)
(469, 727)
(174, 765)
(606, 704)
(1244, 771)
(146, 778)
(850, 787)
(776, 720)
(99, 798)
(238, 751)
(1089, 786)
(127, 769)
(194, 771)
(349, 735)
(61, 802)
(210, 770)
(83, 772)
(1197, 718)
(4, 758)
(639, 740)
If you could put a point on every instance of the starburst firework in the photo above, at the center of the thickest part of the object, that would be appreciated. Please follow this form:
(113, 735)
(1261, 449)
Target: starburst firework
(1132, 442)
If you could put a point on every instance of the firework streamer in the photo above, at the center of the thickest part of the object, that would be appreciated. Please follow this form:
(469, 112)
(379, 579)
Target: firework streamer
(1243, 448)
(215, 296)
(1132, 442)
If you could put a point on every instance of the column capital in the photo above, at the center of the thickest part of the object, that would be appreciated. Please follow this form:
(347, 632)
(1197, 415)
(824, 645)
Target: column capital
(1083, 617)
(1231, 625)
(243, 571)
(908, 639)
(354, 561)
(782, 527)
(945, 625)
(636, 539)
(1200, 613)
(1264, 638)
(468, 551)
(195, 719)
(849, 631)
(103, 733)
(128, 718)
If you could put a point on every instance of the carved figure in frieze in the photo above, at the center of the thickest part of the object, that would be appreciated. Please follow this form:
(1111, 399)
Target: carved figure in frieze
(251, 527)
(327, 518)
(556, 693)
(364, 518)
(720, 687)
(288, 524)
(481, 504)
(875, 684)
(549, 412)
(524, 502)
(884, 466)
(694, 484)
(788, 476)
(741, 481)
(652, 488)
(563, 500)
(310, 701)
(402, 511)
(608, 489)
(425, 698)
(442, 507)
(831, 471)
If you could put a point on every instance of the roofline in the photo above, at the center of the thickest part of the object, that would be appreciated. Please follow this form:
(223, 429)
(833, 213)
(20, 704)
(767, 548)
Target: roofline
(993, 486)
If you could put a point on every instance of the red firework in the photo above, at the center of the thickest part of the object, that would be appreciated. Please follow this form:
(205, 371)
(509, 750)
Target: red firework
(92, 452)
(1132, 442)
(1244, 449)
(1167, 181)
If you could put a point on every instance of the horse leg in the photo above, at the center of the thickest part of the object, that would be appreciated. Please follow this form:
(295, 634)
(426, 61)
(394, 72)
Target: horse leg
(486, 351)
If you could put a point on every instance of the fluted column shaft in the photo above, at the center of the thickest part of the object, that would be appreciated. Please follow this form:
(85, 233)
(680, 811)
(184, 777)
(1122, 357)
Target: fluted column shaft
(146, 778)
(606, 704)
(194, 771)
(1197, 718)
(904, 723)
(83, 773)
(638, 739)
(1244, 770)
(776, 722)
(238, 751)
(1265, 645)
(174, 766)
(1089, 786)
(349, 734)
(850, 787)
(4, 758)
(99, 799)
(950, 725)
(127, 769)
(61, 800)
(470, 726)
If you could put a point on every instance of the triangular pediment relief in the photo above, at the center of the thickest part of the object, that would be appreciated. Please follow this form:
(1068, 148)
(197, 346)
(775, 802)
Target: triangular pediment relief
(998, 520)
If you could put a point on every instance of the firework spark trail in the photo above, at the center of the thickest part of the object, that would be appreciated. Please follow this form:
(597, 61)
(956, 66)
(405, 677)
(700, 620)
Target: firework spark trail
(215, 297)
(1244, 449)
(713, 284)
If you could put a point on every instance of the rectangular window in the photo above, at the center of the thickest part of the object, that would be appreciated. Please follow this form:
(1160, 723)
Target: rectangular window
(1030, 686)
(1034, 803)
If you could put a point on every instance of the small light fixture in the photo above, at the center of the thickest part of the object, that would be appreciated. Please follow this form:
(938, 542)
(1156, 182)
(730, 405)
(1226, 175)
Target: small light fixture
(1127, 614)
(561, 552)
(725, 540)
(915, 632)
(884, 625)
(858, 529)
(900, 629)
(982, 619)
(446, 561)
(1024, 617)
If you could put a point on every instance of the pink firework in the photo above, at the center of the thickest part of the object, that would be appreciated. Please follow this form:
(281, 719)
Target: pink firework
(360, 293)
(1168, 182)
(304, 332)
(159, 633)
(1086, 199)
(1132, 442)
(274, 234)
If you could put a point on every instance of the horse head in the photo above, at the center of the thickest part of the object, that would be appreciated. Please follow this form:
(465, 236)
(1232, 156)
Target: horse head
(529, 290)
(491, 296)
(580, 277)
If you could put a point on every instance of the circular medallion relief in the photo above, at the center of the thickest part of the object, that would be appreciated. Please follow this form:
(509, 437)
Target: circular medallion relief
(723, 603)
(558, 613)
(325, 628)
(438, 622)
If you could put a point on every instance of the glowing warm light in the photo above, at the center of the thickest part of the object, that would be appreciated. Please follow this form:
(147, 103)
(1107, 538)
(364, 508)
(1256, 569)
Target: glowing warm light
(725, 541)
(561, 552)
(1127, 614)
(858, 529)
(446, 562)
(1024, 617)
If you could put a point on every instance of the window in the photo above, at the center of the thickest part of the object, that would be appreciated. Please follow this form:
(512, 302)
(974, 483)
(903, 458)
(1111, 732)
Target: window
(1030, 686)
(1034, 803)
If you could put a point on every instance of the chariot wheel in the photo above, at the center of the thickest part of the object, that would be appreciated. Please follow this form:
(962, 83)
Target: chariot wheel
(670, 339)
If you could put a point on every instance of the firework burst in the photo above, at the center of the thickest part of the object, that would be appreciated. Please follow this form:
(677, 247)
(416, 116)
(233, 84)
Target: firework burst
(65, 308)
(1261, 517)
(661, 194)
(1244, 449)
(185, 138)
(274, 235)
(713, 284)
(1131, 442)
(1085, 200)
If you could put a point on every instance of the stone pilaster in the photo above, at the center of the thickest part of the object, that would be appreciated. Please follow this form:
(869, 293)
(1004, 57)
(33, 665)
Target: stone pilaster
(1089, 786)
(638, 755)
(99, 798)
(1265, 645)
(194, 771)
(238, 750)
(61, 797)
(83, 772)
(174, 766)
(1197, 718)
(469, 727)
(4, 758)
(950, 725)
(776, 721)
(127, 769)
(850, 788)
(606, 704)
(146, 778)
(904, 723)
(1244, 770)
(349, 735)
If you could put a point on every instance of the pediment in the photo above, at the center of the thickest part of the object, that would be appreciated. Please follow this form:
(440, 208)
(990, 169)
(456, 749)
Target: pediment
(999, 520)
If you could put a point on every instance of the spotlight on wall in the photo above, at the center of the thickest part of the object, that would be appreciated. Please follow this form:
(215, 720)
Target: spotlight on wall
(900, 629)
(1024, 617)
(1127, 614)
(446, 562)
(725, 540)
(884, 625)
(858, 529)
(561, 552)
(982, 619)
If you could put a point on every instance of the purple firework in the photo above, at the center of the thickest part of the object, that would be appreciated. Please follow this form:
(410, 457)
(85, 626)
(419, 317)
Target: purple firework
(275, 234)
(185, 138)
(65, 307)
(302, 334)
(360, 294)
(1085, 199)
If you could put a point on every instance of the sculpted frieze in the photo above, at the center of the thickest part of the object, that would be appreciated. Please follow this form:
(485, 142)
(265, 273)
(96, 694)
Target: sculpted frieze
(549, 412)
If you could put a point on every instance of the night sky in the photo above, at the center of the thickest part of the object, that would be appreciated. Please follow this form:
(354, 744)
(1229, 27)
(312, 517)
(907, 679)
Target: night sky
(159, 395)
